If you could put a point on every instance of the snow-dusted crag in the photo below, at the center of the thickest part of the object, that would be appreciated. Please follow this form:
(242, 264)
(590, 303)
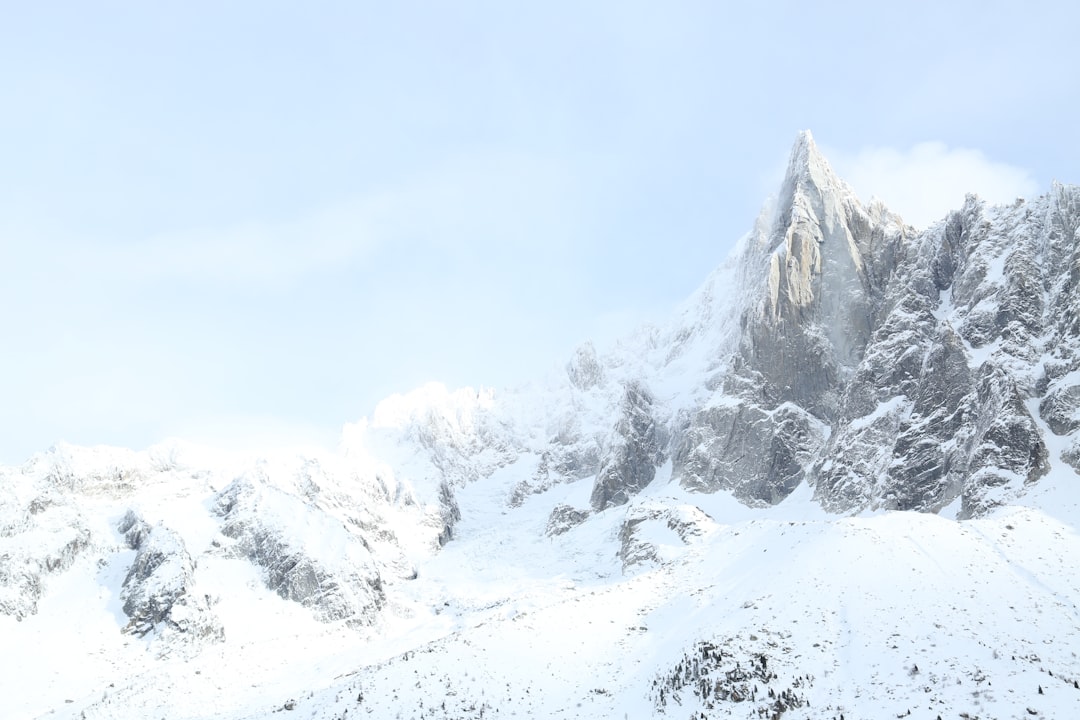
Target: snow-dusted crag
(323, 536)
(967, 377)
(890, 368)
(885, 367)
(157, 587)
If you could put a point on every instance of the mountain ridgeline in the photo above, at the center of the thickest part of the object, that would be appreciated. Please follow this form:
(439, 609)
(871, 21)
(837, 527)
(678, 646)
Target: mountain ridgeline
(837, 349)
(886, 367)
(891, 368)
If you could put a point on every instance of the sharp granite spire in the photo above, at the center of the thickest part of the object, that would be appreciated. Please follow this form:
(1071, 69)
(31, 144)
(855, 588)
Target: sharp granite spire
(822, 267)
(808, 174)
(821, 294)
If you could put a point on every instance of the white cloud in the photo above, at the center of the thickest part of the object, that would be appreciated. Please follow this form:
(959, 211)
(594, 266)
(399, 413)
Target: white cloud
(928, 180)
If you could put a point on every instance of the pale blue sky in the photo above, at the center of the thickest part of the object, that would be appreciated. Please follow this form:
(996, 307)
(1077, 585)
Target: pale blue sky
(247, 220)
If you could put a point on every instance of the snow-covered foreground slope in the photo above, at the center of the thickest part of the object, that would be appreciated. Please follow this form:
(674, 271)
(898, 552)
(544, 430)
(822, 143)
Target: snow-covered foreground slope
(754, 612)
(115, 563)
(868, 617)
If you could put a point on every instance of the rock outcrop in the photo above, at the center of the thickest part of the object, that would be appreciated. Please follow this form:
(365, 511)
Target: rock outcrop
(655, 533)
(40, 537)
(637, 446)
(158, 591)
(283, 536)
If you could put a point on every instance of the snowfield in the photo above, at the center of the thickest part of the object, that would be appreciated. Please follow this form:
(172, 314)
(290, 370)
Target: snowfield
(869, 616)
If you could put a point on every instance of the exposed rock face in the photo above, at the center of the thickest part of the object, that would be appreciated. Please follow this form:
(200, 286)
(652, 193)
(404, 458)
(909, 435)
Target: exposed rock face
(564, 518)
(157, 590)
(759, 455)
(274, 531)
(637, 448)
(38, 540)
(891, 368)
(449, 512)
(817, 273)
(939, 407)
(828, 259)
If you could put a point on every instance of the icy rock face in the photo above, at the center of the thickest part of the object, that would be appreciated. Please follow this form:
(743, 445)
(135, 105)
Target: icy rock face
(758, 455)
(571, 447)
(449, 513)
(461, 432)
(433, 441)
(585, 369)
(569, 457)
(28, 558)
(636, 448)
(325, 533)
(157, 591)
(1059, 379)
(889, 368)
(289, 542)
(979, 321)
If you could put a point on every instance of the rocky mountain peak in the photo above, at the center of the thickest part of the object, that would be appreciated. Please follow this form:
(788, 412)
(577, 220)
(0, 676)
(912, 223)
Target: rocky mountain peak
(808, 173)
(818, 243)
(826, 264)
(889, 368)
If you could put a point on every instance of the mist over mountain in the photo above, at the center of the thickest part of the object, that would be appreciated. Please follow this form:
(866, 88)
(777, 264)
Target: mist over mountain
(842, 479)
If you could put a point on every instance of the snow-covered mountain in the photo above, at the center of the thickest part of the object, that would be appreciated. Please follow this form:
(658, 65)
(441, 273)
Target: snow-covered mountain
(841, 481)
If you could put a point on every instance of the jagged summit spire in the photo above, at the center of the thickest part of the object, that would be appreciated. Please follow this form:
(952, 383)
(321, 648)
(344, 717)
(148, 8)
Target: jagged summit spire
(810, 181)
(803, 149)
(824, 253)
(807, 167)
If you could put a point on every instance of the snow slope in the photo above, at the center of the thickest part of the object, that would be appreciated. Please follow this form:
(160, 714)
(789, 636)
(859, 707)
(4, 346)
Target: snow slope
(869, 616)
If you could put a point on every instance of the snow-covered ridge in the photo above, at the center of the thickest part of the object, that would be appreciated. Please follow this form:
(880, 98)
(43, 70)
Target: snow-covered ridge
(319, 531)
